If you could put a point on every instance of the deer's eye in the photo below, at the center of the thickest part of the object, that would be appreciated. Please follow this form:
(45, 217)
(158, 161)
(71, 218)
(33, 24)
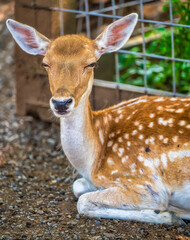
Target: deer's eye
(92, 65)
(45, 65)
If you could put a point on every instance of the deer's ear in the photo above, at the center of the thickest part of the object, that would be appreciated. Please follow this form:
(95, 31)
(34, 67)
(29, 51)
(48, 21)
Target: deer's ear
(28, 38)
(115, 35)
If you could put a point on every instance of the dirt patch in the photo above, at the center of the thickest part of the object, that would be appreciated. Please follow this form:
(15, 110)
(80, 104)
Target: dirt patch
(36, 199)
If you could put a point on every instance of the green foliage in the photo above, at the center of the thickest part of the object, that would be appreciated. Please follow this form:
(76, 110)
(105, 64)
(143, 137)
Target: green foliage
(159, 72)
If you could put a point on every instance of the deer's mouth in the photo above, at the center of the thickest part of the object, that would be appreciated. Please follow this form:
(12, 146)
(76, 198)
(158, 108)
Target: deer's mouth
(62, 112)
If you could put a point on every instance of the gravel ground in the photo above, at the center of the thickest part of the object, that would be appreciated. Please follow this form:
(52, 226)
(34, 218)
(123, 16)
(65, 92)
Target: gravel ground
(36, 199)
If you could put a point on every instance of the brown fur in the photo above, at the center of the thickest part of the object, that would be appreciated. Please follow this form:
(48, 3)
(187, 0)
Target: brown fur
(174, 175)
(67, 75)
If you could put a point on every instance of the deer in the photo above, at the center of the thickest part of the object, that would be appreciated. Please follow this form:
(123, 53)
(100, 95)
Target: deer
(133, 157)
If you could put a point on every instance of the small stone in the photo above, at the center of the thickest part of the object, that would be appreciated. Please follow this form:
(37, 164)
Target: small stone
(73, 222)
(180, 229)
(39, 202)
(28, 224)
(109, 235)
(97, 222)
(40, 212)
(51, 141)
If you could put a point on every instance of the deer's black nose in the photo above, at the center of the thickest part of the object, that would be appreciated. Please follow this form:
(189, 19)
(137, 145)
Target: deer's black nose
(62, 105)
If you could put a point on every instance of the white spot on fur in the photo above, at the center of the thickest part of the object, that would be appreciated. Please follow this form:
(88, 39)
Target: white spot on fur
(159, 100)
(175, 139)
(165, 140)
(141, 171)
(152, 115)
(161, 121)
(124, 159)
(140, 158)
(183, 99)
(110, 161)
(182, 123)
(161, 137)
(115, 147)
(156, 162)
(149, 140)
(119, 111)
(134, 132)
(149, 163)
(160, 108)
(129, 180)
(151, 124)
(117, 120)
(173, 99)
(164, 160)
(120, 139)
(170, 110)
(180, 110)
(101, 136)
(136, 123)
(110, 143)
(140, 127)
(114, 172)
(181, 131)
(128, 143)
(126, 136)
(133, 167)
(141, 136)
(188, 126)
(120, 152)
(111, 135)
(180, 154)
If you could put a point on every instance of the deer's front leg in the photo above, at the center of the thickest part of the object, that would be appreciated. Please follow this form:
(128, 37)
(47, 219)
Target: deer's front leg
(115, 203)
(81, 186)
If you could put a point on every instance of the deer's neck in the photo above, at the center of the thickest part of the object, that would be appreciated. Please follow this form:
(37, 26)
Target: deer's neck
(79, 139)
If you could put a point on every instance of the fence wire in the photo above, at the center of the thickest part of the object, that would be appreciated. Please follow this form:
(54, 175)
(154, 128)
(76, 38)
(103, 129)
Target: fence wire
(83, 13)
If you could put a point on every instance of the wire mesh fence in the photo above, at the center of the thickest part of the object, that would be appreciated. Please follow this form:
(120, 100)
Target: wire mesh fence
(171, 66)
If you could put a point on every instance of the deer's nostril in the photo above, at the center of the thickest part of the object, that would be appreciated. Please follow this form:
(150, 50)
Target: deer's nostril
(70, 100)
(53, 101)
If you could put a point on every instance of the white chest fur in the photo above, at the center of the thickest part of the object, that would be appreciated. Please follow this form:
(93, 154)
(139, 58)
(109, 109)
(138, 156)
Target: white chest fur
(78, 142)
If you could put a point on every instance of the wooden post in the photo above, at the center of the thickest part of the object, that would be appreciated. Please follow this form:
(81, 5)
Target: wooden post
(32, 87)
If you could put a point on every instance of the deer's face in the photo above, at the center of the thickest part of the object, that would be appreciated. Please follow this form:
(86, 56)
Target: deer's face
(70, 64)
(70, 60)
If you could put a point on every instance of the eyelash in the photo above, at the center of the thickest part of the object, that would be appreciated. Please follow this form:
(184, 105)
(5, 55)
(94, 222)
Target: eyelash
(91, 65)
(45, 65)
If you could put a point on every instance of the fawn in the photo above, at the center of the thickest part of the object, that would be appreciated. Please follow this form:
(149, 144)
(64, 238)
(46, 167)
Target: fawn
(134, 157)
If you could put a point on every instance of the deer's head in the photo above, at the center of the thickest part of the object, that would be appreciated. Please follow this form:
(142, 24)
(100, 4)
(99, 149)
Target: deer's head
(70, 60)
